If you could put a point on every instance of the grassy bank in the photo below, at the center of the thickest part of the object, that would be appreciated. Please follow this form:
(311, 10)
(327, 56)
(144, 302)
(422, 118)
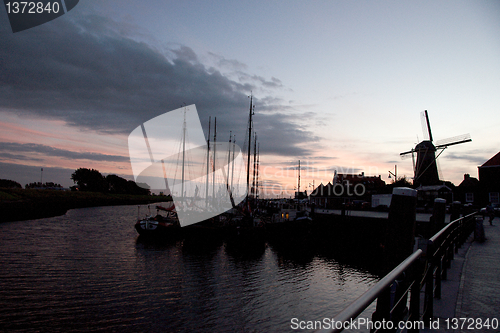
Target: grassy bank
(19, 204)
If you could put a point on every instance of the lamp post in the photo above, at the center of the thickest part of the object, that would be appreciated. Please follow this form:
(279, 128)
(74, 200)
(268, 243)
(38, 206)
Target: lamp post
(395, 174)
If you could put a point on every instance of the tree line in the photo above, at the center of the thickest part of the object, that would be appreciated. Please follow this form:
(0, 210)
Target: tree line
(91, 180)
(87, 180)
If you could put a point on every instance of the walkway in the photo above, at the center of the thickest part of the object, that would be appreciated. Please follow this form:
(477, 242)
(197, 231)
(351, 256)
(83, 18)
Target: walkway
(472, 289)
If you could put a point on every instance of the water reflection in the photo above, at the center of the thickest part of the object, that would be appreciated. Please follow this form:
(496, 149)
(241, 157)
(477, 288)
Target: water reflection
(88, 270)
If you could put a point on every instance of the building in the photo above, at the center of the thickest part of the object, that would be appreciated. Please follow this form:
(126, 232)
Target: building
(426, 195)
(346, 188)
(468, 192)
(489, 180)
(486, 189)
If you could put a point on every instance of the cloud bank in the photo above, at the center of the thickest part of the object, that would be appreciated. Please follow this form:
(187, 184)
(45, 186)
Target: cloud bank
(92, 75)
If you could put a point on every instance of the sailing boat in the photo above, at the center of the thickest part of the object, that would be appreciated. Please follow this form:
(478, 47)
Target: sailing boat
(247, 230)
(159, 225)
(157, 155)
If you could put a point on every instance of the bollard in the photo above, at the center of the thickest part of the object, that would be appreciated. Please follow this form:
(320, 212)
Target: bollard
(438, 215)
(400, 230)
(468, 209)
(479, 230)
(455, 210)
(398, 245)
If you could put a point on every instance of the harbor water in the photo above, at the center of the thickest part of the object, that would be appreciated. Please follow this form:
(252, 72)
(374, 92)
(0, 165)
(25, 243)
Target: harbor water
(89, 271)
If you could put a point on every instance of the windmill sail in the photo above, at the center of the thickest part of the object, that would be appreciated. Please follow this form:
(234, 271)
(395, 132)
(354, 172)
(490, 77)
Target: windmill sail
(453, 141)
(426, 126)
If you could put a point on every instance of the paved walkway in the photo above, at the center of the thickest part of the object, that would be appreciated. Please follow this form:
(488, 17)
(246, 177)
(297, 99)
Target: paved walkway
(472, 289)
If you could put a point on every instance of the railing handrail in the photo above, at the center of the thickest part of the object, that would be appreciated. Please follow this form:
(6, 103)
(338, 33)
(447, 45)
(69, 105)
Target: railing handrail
(362, 302)
(367, 298)
(442, 231)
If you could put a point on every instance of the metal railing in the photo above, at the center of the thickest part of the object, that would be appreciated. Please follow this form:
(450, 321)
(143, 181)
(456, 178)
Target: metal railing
(398, 293)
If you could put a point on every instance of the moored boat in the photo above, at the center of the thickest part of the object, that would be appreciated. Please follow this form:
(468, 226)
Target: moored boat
(159, 225)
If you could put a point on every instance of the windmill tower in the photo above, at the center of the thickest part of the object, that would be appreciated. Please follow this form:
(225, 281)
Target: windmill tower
(425, 169)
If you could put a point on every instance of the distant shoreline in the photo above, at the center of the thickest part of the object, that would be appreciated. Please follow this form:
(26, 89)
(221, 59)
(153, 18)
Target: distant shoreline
(30, 204)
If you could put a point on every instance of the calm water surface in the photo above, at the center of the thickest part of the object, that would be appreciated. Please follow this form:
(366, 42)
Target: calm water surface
(88, 271)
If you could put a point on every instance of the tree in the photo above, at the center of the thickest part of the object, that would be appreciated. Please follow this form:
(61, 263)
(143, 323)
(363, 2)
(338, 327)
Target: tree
(402, 182)
(47, 185)
(6, 183)
(116, 184)
(89, 180)
(133, 188)
(120, 185)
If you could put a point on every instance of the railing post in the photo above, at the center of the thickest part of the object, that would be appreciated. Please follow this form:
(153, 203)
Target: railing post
(438, 215)
(463, 231)
(399, 311)
(429, 284)
(383, 309)
(439, 270)
(415, 295)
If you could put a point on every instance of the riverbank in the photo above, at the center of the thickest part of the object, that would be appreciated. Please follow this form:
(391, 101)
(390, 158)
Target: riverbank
(29, 204)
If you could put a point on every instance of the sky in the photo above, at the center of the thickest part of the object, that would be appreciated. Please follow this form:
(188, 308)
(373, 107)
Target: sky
(338, 85)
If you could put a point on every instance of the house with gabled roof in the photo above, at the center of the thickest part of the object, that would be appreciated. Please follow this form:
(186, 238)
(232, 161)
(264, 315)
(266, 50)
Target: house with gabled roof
(489, 179)
(486, 189)
(468, 192)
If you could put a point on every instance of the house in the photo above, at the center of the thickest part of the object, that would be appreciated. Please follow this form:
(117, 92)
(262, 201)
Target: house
(479, 192)
(489, 179)
(427, 194)
(346, 188)
(468, 192)
(371, 184)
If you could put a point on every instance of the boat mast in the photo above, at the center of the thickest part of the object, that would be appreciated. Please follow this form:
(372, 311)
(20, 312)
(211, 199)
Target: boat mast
(208, 161)
(215, 143)
(298, 185)
(258, 164)
(232, 171)
(229, 156)
(254, 164)
(183, 152)
(249, 145)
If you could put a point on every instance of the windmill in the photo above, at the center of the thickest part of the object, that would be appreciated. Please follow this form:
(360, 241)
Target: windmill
(425, 168)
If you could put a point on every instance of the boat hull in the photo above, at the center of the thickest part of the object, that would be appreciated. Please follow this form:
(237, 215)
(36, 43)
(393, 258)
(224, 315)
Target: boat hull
(153, 228)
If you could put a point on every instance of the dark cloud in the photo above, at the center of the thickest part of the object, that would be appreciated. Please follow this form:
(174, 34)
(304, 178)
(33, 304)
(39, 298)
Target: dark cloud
(91, 74)
(9, 157)
(7, 147)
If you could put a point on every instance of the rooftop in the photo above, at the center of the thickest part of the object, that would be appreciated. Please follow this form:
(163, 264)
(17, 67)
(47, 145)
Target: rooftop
(494, 161)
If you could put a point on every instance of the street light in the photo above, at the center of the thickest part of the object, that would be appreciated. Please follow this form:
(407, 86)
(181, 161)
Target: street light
(395, 174)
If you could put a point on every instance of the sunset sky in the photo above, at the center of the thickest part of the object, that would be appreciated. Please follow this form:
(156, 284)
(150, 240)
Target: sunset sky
(339, 85)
